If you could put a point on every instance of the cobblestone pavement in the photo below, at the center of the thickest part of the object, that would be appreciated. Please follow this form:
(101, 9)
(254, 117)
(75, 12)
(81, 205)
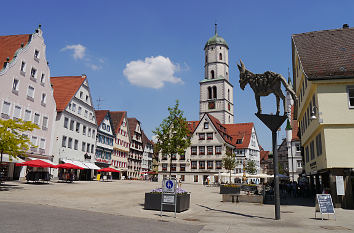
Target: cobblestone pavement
(126, 198)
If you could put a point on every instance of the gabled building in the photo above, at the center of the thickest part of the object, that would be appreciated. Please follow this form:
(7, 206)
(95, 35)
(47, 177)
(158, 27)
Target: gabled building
(105, 138)
(146, 163)
(323, 71)
(75, 126)
(26, 93)
(121, 143)
(136, 149)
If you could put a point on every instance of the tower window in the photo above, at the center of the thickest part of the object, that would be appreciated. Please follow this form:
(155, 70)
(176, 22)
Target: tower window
(206, 58)
(220, 56)
(214, 92)
(209, 93)
(212, 74)
(228, 94)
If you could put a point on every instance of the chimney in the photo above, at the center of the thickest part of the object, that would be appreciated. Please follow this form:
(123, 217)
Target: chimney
(345, 26)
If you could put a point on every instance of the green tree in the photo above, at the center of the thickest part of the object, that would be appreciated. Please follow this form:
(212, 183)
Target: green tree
(12, 140)
(251, 167)
(173, 135)
(229, 162)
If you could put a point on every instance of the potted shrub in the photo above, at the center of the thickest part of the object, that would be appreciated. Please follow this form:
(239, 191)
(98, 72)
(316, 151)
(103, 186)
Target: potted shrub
(153, 201)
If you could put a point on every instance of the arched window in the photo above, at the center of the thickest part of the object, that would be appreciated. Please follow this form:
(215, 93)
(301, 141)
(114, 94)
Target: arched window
(212, 74)
(228, 94)
(206, 58)
(214, 92)
(209, 93)
(220, 56)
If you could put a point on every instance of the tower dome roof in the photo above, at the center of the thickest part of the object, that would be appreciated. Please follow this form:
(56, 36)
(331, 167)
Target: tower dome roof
(216, 40)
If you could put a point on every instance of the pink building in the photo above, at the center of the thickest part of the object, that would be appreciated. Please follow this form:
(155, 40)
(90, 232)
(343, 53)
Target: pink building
(26, 93)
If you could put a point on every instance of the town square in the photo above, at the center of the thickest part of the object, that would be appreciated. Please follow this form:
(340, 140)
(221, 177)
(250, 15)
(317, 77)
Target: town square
(158, 116)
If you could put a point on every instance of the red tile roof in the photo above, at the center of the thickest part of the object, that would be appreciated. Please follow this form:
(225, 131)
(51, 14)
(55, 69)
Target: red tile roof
(264, 155)
(132, 122)
(240, 131)
(117, 119)
(326, 54)
(10, 44)
(100, 115)
(221, 129)
(294, 126)
(192, 125)
(145, 139)
(64, 88)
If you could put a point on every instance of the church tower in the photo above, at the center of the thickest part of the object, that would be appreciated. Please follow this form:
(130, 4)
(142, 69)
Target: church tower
(216, 92)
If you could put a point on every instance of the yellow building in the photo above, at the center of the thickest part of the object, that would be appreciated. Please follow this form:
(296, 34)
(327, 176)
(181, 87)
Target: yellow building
(323, 67)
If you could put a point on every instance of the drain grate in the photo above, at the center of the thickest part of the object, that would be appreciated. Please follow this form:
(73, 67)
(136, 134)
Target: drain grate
(335, 228)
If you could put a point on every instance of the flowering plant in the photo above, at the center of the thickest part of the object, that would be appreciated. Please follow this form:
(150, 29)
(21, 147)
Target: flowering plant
(178, 191)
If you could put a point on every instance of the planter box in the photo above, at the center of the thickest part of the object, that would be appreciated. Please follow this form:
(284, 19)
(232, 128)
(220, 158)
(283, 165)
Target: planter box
(242, 198)
(153, 202)
(229, 190)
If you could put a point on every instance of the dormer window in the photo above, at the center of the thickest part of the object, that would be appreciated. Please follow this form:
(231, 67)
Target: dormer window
(206, 125)
(104, 126)
(239, 141)
(36, 54)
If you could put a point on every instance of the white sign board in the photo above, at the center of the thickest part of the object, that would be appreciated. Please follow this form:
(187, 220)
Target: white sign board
(168, 199)
(340, 185)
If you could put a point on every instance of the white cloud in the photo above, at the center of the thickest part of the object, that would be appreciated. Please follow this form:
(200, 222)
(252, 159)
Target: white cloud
(78, 49)
(153, 72)
(94, 67)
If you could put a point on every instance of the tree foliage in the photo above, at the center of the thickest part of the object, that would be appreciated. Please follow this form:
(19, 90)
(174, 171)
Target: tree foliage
(12, 139)
(173, 136)
(251, 167)
(229, 162)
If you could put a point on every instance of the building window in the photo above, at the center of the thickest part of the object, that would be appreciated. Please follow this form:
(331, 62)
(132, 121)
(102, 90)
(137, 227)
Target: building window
(182, 157)
(220, 56)
(182, 167)
(299, 164)
(307, 154)
(209, 93)
(210, 164)
(214, 92)
(210, 136)
(70, 143)
(76, 144)
(351, 97)
(195, 178)
(6, 108)
(218, 164)
(28, 114)
(42, 144)
(319, 144)
(33, 73)
(164, 167)
(212, 74)
(34, 141)
(72, 125)
(15, 85)
(44, 99)
(218, 150)
(77, 127)
(193, 150)
(239, 141)
(73, 107)
(83, 146)
(87, 98)
(201, 164)
(202, 136)
(30, 92)
(63, 141)
(298, 147)
(312, 150)
(79, 110)
(194, 164)
(36, 118)
(83, 130)
(104, 126)
(17, 112)
(210, 150)
(88, 147)
(173, 167)
(45, 123)
(43, 78)
(182, 177)
(66, 122)
(81, 94)
(86, 113)
(36, 54)
(92, 148)
(206, 125)
(202, 150)
(23, 67)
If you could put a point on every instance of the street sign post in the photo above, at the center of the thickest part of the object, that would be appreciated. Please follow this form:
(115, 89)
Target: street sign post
(169, 195)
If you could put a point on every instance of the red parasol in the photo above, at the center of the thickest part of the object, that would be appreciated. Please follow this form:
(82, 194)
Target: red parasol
(108, 169)
(68, 166)
(36, 163)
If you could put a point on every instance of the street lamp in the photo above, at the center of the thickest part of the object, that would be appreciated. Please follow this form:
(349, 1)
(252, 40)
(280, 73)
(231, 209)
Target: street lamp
(313, 113)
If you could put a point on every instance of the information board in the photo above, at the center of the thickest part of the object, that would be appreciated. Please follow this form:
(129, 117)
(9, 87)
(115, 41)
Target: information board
(169, 195)
(168, 198)
(169, 186)
(324, 204)
(340, 185)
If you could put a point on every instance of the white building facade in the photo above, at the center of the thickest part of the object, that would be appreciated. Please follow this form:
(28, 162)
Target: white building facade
(26, 93)
(76, 126)
(136, 149)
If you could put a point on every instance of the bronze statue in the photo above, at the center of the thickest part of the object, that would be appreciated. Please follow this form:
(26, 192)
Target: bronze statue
(265, 84)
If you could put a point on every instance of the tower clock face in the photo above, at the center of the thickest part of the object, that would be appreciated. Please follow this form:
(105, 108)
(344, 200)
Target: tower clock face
(211, 105)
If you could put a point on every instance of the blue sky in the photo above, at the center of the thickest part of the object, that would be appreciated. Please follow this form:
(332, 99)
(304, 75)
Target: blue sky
(113, 41)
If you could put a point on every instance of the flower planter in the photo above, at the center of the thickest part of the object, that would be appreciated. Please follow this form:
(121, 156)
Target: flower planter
(225, 189)
(153, 202)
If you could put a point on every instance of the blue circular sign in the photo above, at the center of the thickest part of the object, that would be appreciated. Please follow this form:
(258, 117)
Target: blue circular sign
(169, 184)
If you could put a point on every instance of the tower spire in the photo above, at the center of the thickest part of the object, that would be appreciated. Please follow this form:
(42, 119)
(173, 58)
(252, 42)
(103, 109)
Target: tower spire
(216, 28)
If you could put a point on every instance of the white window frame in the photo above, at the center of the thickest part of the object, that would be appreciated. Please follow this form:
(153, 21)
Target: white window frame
(23, 68)
(42, 78)
(17, 86)
(45, 126)
(36, 140)
(38, 54)
(30, 115)
(42, 146)
(44, 100)
(3, 106)
(34, 76)
(19, 114)
(28, 94)
(39, 118)
(348, 89)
